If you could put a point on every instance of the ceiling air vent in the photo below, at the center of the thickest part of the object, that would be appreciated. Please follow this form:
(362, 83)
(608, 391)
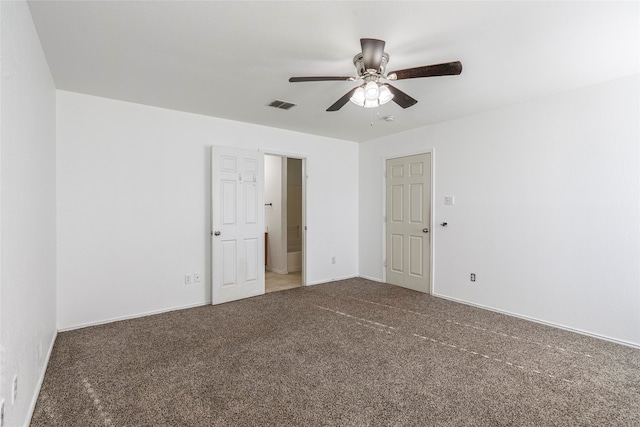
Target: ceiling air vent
(283, 105)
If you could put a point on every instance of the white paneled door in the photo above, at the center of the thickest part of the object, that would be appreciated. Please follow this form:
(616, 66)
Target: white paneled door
(408, 218)
(237, 212)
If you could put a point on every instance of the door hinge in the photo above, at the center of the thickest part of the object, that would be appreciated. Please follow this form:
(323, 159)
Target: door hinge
(385, 263)
(384, 172)
(384, 218)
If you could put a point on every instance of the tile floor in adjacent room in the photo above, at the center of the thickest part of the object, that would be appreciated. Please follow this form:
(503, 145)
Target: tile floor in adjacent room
(279, 282)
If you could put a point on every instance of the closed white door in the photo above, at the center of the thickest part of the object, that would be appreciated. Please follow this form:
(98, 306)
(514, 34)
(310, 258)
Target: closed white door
(408, 218)
(237, 224)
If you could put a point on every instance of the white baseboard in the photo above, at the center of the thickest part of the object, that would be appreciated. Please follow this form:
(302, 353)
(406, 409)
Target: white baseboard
(334, 279)
(43, 371)
(543, 322)
(373, 279)
(133, 316)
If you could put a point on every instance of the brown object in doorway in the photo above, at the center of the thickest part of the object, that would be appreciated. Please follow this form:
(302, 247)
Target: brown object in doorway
(265, 247)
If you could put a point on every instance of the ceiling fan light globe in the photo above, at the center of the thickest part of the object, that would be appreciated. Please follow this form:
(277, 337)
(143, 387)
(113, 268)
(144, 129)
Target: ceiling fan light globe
(358, 97)
(371, 103)
(385, 95)
(371, 91)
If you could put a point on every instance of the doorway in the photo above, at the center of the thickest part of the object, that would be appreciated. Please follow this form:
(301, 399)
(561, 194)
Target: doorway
(284, 222)
(408, 219)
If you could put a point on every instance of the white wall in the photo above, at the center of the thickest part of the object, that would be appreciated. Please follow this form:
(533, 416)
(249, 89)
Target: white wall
(133, 211)
(547, 208)
(27, 225)
(273, 186)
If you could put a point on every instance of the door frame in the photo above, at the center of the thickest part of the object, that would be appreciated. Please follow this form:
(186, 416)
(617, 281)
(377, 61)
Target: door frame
(305, 175)
(430, 151)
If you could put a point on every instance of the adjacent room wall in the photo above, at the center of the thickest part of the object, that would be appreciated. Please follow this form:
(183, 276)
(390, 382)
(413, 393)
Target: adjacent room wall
(273, 186)
(295, 225)
(28, 200)
(133, 205)
(546, 213)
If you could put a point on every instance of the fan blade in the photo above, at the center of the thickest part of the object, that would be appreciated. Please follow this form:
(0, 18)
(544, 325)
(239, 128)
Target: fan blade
(372, 51)
(319, 79)
(342, 101)
(401, 98)
(446, 69)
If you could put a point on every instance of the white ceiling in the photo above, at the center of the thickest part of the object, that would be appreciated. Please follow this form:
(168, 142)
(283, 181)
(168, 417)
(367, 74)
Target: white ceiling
(230, 59)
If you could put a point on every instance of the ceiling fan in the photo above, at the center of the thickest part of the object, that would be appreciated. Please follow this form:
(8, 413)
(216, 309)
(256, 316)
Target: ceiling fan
(371, 67)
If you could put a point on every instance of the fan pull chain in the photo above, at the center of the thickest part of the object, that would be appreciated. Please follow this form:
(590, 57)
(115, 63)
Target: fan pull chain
(371, 116)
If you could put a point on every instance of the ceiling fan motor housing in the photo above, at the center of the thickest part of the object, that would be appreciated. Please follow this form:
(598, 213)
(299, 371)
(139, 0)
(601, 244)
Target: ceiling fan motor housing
(358, 61)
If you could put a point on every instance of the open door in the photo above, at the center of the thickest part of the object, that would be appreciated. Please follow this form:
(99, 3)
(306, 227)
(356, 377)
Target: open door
(237, 224)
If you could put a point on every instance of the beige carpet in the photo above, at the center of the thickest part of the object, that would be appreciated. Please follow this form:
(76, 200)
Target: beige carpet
(348, 353)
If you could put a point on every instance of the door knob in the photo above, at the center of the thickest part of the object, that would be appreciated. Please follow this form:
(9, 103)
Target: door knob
(425, 230)
(216, 233)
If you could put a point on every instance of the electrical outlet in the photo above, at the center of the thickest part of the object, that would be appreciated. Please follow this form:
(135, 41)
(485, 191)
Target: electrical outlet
(14, 389)
(473, 277)
(196, 277)
(188, 279)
